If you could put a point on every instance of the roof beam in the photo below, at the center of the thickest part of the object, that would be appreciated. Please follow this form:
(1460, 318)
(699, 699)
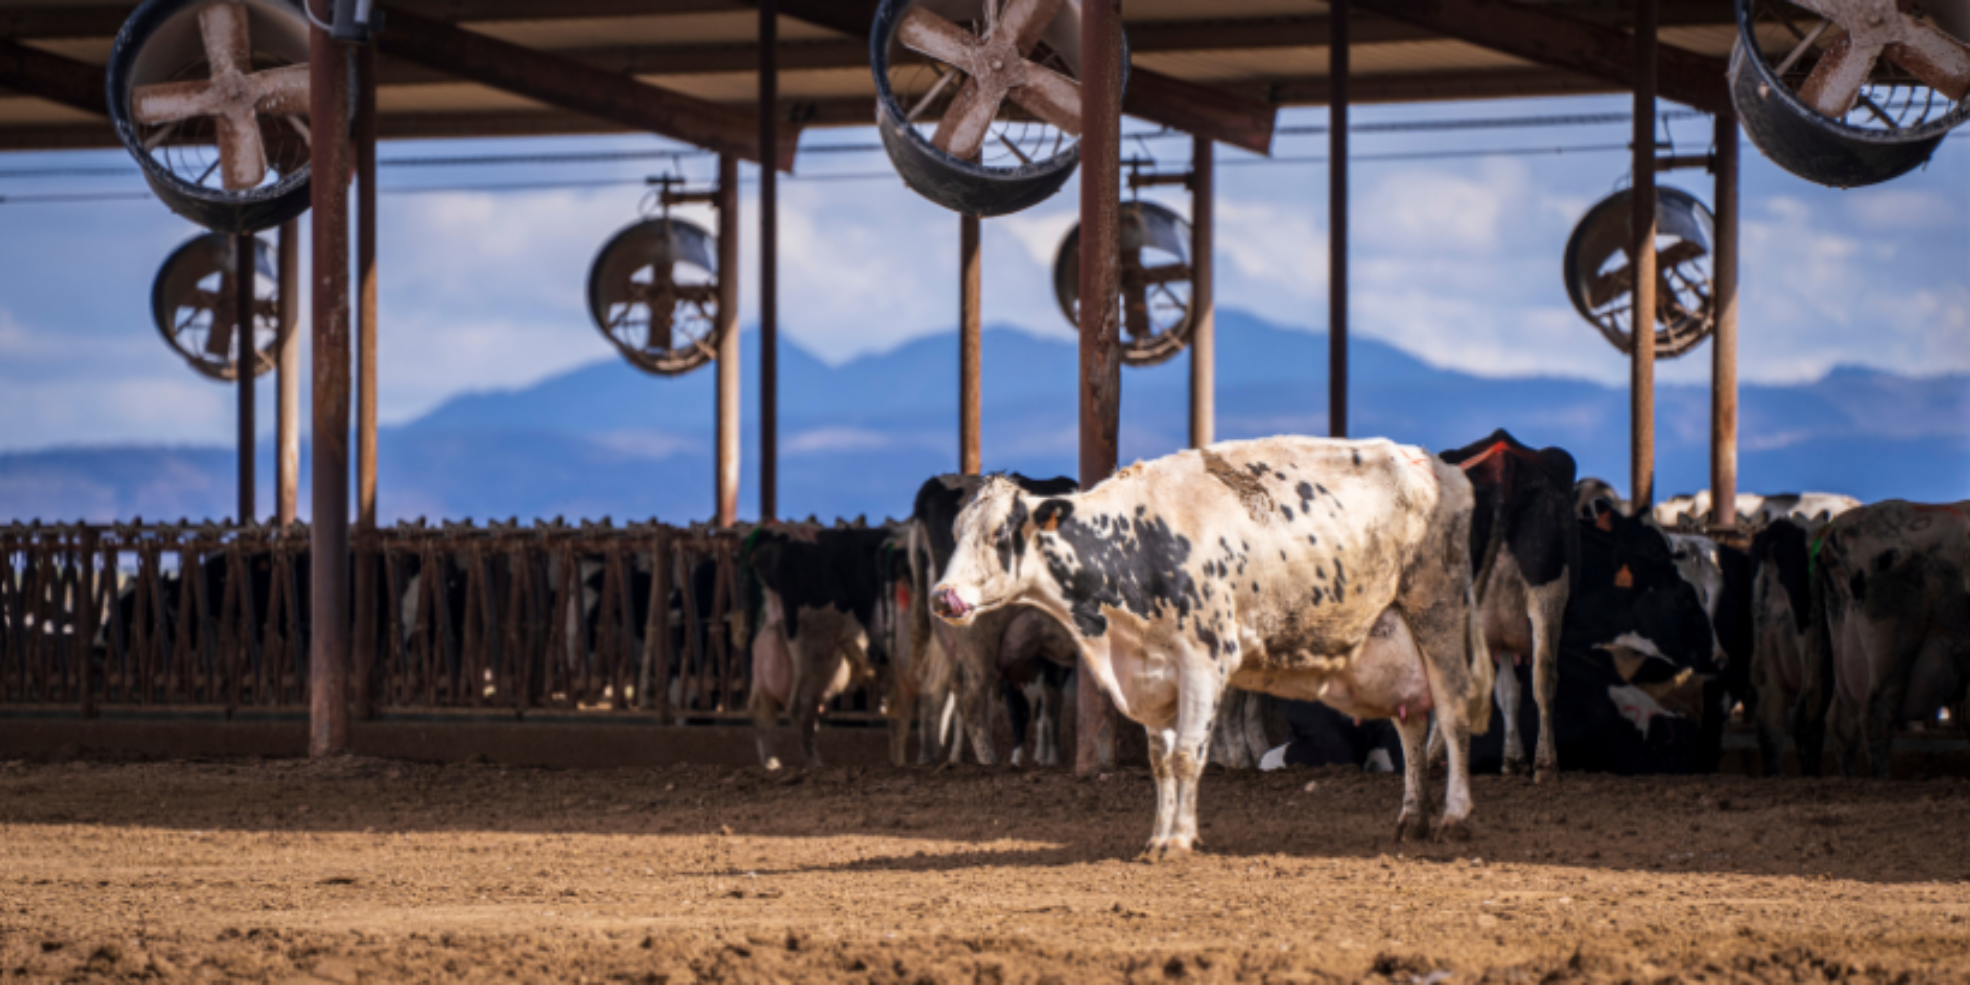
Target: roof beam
(572, 85)
(1538, 35)
(52, 77)
(1152, 96)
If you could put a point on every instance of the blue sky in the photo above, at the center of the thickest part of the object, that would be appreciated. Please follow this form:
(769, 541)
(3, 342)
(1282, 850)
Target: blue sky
(1456, 260)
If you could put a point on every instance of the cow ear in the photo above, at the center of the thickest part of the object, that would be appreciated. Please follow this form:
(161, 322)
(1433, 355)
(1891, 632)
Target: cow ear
(1051, 512)
(1624, 578)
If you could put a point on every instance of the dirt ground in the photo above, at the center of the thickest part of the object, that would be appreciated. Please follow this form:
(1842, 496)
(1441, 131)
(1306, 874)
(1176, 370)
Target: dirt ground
(366, 870)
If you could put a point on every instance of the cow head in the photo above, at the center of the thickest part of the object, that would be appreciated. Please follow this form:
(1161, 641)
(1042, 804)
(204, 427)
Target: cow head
(995, 562)
(1632, 603)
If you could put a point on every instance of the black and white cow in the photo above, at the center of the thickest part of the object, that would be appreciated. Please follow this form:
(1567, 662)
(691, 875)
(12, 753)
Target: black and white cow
(1787, 667)
(1308, 568)
(1529, 493)
(1755, 509)
(1591, 490)
(811, 600)
(960, 668)
(1635, 652)
(1894, 580)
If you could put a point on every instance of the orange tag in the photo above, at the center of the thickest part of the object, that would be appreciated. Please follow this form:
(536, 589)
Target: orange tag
(1604, 523)
(1624, 578)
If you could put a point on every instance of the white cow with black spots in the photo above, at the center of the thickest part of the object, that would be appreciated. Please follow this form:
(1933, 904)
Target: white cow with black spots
(1307, 568)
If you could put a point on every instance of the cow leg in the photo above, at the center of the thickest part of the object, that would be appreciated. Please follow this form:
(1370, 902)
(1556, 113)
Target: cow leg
(1773, 710)
(1884, 711)
(900, 708)
(1019, 712)
(1200, 694)
(1048, 739)
(1414, 821)
(1162, 749)
(976, 669)
(1251, 728)
(1547, 612)
(1443, 638)
(1508, 693)
(1228, 737)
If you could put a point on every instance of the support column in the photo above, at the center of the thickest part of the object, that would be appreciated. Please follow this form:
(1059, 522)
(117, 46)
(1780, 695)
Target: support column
(364, 655)
(328, 657)
(970, 348)
(769, 263)
(1641, 226)
(1723, 341)
(245, 362)
(727, 442)
(287, 414)
(1101, 249)
(1203, 309)
(1337, 220)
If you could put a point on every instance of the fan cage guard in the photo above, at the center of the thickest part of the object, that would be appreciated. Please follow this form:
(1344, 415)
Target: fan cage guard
(615, 294)
(1603, 234)
(208, 258)
(1146, 225)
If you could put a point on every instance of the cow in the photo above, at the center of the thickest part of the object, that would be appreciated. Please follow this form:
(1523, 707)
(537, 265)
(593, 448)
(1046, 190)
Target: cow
(1528, 493)
(1035, 660)
(1635, 654)
(1590, 490)
(1894, 582)
(1753, 509)
(960, 665)
(811, 600)
(1307, 568)
(1321, 736)
(1787, 669)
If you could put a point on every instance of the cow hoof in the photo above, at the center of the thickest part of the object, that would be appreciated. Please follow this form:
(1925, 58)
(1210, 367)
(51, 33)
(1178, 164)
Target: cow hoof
(1547, 773)
(1453, 829)
(1168, 850)
(772, 763)
(1412, 827)
(1517, 766)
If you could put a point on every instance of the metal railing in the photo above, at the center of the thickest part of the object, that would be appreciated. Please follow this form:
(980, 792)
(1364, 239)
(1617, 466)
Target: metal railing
(506, 617)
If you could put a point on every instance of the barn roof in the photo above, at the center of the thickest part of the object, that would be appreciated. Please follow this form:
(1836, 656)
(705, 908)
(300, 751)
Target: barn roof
(1270, 52)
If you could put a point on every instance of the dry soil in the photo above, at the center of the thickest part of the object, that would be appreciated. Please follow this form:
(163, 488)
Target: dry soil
(364, 870)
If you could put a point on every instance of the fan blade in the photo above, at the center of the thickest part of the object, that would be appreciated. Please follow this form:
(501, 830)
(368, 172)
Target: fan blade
(1680, 252)
(1608, 286)
(1027, 20)
(1165, 273)
(1135, 296)
(170, 102)
(200, 299)
(1838, 77)
(283, 91)
(698, 293)
(1052, 97)
(242, 157)
(1940, 61)
(961, 131)
(228, 46)
(219, 338)
(663, 318)
(928, 34)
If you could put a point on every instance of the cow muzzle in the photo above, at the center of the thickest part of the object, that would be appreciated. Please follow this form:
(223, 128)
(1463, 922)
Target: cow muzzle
(948, 605)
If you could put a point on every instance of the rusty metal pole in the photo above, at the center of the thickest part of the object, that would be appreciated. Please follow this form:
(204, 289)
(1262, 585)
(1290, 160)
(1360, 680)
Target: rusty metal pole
(1723, 342)
(1641, 226)
(769, 263)
(970, 348)
(287, 414)
(1101, 284)
(727, 481)
(366, 329)
(1337, 220)
(328, 658)
(1203, 310)
(247, 359)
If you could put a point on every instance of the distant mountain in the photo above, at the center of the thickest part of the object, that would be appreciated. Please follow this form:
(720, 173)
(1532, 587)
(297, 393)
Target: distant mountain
(605, 439)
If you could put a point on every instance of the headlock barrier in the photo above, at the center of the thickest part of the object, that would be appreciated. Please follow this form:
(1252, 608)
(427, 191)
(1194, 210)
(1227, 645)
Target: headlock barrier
(504, 618)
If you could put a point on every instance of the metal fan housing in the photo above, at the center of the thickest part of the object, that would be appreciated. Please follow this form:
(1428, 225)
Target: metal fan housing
(1146, 227)
(161, 44)
(1604, 234)
(176, 292)
(660, 246)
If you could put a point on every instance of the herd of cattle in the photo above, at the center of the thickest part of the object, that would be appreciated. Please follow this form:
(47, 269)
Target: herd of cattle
(1401, 604)
(1416, 597)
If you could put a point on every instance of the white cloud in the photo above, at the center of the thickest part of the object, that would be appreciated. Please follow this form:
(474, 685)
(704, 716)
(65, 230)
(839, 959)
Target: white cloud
(823, 440)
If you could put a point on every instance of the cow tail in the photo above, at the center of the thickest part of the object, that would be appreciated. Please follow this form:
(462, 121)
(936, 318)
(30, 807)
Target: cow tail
(1484, 673)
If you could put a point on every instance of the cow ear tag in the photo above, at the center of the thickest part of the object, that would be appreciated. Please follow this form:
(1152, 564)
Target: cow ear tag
(1605, 522)
(1053, 522)
(1624, 578)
